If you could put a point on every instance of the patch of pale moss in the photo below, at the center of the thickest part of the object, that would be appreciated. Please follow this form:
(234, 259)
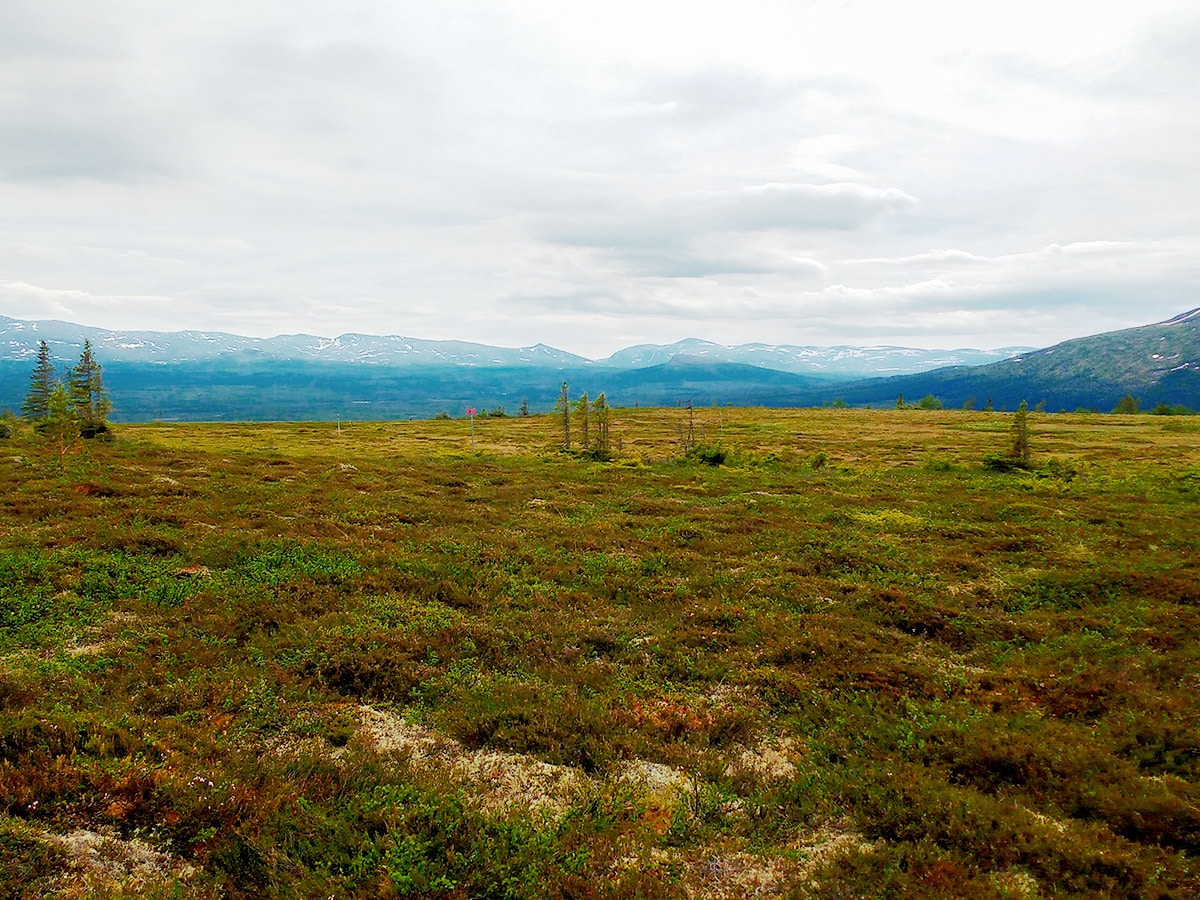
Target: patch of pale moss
(498, 779)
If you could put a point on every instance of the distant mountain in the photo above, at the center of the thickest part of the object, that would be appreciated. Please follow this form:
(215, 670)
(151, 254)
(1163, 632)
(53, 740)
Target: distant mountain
(838, 363)
(704, 382)
(201, 376)
(1155, 363)
(1135, 358)
(18, 340)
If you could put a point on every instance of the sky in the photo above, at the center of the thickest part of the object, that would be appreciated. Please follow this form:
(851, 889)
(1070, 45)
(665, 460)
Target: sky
(597, 175)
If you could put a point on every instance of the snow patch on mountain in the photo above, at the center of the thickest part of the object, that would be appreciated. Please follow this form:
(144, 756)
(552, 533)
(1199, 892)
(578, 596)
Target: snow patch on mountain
(1190, 316)
(18, 340)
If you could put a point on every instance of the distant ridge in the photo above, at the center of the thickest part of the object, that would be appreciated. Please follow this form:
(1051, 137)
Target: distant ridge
(211, 376)
(838, 361)
(1157, 363)
(18, 340)
(1132, 357)
(1183, 317)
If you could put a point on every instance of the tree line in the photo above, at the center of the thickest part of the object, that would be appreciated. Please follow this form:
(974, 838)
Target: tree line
(66, 407)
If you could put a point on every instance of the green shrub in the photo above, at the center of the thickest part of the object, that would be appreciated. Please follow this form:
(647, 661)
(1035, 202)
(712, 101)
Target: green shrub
(709, 454)
(996, 462)
(1060, 469)
(1127, 406)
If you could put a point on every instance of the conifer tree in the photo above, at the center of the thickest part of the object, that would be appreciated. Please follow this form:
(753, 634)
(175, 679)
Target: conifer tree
(88, 398)
(1019, 452)
(582, 407)
(603, 418)
(41, 384)
(61, 424)
(564, 406)
(1128, 406)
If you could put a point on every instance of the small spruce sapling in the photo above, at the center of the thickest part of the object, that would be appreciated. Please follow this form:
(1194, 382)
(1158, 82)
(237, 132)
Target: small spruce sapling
(581, 408)
(61, 424)
(564, 406)
(603, 416)
(1019, 452)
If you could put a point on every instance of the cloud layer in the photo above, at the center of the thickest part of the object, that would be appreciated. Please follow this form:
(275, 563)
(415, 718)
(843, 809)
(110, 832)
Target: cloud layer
(820, 172)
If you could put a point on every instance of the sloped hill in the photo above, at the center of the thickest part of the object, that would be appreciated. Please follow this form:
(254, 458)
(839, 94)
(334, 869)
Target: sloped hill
(705, 382)
(1155, 363)
(1134, 358)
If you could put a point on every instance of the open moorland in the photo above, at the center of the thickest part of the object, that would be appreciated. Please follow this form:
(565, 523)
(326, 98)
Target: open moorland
(292, 661)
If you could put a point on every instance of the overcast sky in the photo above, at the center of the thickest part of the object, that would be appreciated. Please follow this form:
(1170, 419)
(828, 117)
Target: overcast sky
(594, 175)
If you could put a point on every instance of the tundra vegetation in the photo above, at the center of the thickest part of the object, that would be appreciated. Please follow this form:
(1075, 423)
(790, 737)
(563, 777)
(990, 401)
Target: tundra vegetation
(291, 661)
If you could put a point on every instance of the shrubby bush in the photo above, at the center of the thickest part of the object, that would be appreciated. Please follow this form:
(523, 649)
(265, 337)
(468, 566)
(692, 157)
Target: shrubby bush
(997, 462)
(1127, 406)
(709, 454)
(1162, 409)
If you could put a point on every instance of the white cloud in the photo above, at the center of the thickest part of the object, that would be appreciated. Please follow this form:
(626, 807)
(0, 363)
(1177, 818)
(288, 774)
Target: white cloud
(31, 301)
(794, 206)
(591, 176)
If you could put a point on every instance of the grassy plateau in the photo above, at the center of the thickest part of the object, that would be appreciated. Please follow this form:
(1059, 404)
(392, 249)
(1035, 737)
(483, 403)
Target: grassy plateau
(283, 660)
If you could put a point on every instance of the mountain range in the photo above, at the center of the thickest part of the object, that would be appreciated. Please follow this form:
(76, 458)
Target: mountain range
(192, 375)
(19, 339)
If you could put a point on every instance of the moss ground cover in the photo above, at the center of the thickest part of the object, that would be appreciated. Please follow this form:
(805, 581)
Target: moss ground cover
(286, 660)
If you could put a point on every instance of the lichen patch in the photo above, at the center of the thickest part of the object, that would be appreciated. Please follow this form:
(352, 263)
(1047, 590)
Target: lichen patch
(102, 857)
(499, 779)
